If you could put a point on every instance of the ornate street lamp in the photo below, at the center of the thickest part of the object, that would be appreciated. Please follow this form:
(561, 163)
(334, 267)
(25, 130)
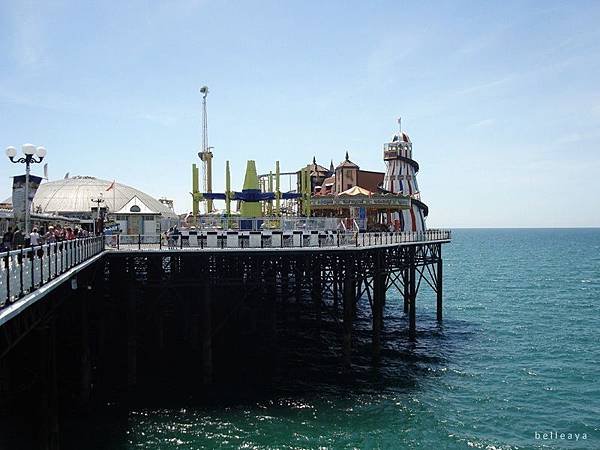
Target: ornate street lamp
(98, 201)
(30, 151)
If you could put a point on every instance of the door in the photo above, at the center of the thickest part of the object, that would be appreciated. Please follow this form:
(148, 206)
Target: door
(135, 224)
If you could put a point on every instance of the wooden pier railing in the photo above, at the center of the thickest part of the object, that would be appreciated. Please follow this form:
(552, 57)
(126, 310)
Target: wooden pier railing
(27, 269)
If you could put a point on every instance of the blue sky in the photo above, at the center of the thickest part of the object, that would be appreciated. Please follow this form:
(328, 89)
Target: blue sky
(501, 99)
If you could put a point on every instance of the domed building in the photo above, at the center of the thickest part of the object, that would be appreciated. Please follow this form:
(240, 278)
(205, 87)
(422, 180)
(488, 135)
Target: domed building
(135, 211)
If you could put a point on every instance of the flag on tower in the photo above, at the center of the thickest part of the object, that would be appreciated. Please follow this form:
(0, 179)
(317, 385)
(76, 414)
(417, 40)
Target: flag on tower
(112, 185)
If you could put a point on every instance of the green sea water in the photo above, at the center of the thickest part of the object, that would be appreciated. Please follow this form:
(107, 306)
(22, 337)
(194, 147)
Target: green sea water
(515, 365)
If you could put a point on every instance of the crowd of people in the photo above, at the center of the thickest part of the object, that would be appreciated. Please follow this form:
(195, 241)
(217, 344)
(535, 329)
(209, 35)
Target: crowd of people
(15, 239)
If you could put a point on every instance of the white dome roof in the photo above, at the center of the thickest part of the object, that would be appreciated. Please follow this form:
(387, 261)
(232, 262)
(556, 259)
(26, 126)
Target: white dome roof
(74, 195)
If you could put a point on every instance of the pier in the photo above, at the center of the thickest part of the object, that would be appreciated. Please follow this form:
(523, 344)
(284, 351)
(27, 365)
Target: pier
(107, 310)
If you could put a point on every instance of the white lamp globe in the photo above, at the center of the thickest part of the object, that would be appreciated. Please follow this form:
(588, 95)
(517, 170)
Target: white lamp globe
(41, 151)
(28, 149)
(11, 152)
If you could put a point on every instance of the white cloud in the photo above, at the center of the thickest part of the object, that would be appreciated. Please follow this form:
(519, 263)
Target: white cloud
(483, 123)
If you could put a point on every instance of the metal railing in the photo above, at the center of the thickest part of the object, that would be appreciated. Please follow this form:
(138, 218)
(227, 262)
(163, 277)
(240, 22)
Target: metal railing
(200, 239)
(27, 269)
(268, 223)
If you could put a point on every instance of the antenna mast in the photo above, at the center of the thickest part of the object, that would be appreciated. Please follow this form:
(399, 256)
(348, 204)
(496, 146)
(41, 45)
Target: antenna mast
(204, 91)
(206, 154)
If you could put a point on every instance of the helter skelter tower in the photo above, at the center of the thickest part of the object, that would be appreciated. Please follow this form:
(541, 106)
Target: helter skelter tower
(401, 178)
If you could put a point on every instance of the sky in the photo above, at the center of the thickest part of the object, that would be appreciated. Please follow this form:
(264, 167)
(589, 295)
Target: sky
(501, 99)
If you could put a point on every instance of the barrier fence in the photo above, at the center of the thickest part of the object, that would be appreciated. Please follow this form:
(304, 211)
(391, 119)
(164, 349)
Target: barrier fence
(199, 239)
(237, 223)
(27, 269)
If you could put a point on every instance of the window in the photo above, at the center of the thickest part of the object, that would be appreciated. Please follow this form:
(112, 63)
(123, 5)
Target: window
(135, 209)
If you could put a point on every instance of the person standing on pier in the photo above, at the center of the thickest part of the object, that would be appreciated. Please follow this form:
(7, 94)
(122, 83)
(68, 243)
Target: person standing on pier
(7, 239)
(50, 237)
(34, 238)
(18, 239)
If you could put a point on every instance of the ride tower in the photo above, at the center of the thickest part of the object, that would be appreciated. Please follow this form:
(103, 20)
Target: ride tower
(401, 178)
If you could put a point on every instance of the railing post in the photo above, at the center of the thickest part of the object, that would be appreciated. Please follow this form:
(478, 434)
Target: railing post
(55, 259)
(32, 256)
(118, 241)
(139, 241)
(20, 258)
(41, 265)
(6, 267)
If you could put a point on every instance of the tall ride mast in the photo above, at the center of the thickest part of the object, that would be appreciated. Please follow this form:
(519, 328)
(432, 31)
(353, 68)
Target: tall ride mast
(206, 155)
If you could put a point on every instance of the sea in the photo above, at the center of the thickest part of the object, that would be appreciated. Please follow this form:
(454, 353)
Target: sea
(515, 364)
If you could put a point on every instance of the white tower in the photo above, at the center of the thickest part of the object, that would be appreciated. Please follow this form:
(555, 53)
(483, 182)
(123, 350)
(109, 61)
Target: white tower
(400, 178)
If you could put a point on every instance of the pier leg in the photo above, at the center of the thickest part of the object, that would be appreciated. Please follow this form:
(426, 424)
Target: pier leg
(377, 310)
(284, 289)
(131, 337)
(357, 286)
(335, 280)
(316, 293)
(194, 324)
(349, 297)
(270, 300)
(86, 360)
(439, 288)
(207, 359)
(412, 327)
(405, 282)
(49, 387)
(4, 386)
(298, 287)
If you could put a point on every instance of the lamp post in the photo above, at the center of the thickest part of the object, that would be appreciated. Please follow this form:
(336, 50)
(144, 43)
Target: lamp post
(99, 200)
(30, 151)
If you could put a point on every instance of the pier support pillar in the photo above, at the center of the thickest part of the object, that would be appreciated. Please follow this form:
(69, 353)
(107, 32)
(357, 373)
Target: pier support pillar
(86, 360)
(269, 291)
(357, 286)
(405, 294)
(349, 298)
(133, 292)
(378, 303)
(335, 279)
(49, 387)
(439, 287)
(316, 293)
(4, 386)
(206, 314)
(298, 274)
(285, 287)
(412, 293)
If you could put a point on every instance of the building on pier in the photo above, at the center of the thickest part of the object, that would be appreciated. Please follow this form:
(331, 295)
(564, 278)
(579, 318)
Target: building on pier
(133, 210)
(401, 178)
(373, 200)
